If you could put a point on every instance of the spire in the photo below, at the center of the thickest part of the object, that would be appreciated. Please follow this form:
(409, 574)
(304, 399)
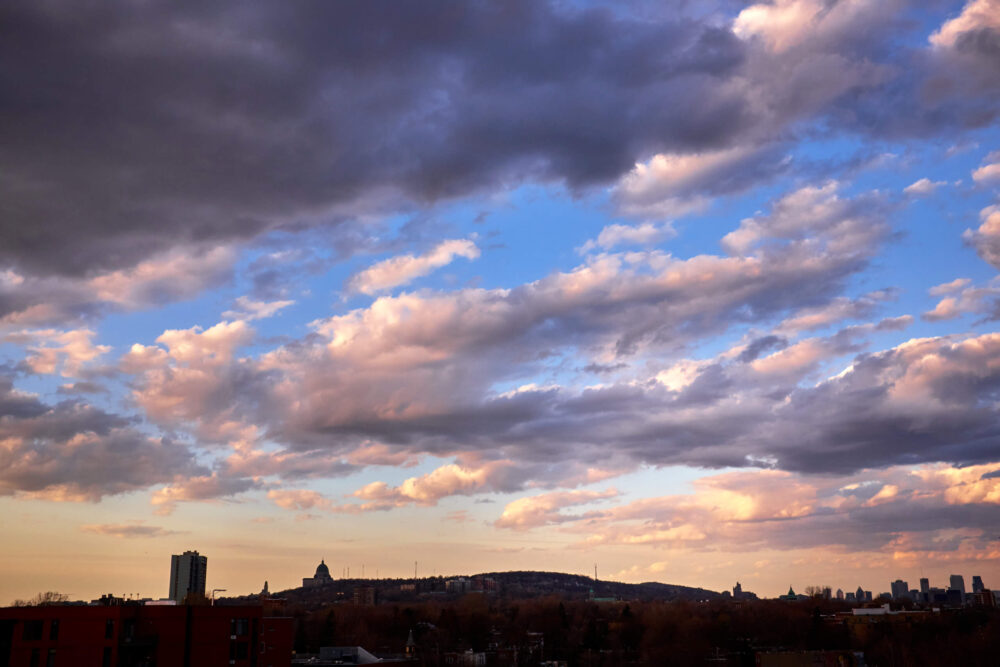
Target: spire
(411, 646)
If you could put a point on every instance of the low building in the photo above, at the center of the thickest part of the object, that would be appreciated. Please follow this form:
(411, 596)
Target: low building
(133, 634)
(810, 659)
(364, 596)
(458, 585)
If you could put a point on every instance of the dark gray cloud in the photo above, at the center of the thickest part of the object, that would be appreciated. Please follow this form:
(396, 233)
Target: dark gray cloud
(131, 130)
(74, 451)
(762, 345)
(135, 129)
(82, 387)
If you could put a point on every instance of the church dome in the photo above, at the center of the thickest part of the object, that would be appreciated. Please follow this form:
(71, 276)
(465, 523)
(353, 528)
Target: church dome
(322, 571)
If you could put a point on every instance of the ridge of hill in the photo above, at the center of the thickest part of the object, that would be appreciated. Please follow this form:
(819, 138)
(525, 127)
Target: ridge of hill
(514, 584)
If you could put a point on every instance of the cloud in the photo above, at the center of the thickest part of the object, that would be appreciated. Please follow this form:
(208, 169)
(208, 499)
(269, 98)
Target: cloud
(448, 480)
(647, 233)
(147, 196)
(429, 373)
(249, 309)
(807, 212)
(126, 530)
(316, 126)
(404, 269)
(74, 451)
(50, 351)
(977, 16)
(988, 173)
(197, 372)
(837, 310)
(986, 239)
(672, 185)
(924, 186)
(171, 276)
(923, 508)
(546, 509)
(784, 25)
(199, 488)
(298, 499)
(83, 387)
(950, 287)
(960, 299)
(962, 75)
(181, 273)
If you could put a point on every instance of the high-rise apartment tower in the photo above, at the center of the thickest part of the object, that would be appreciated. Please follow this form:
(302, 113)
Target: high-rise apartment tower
(187, 575)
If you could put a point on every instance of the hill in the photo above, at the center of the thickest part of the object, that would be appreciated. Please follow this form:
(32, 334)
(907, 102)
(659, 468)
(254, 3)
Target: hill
(515, 585)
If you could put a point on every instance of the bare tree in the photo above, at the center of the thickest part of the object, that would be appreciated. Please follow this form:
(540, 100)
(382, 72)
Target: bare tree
(42, 600)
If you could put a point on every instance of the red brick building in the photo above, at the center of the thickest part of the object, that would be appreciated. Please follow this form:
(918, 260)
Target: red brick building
(143, 636)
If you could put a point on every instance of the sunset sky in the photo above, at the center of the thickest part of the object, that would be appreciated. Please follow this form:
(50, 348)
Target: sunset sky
(696, 291)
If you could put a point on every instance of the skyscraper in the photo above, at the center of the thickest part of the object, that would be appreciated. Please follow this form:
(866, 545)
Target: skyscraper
(925, 585)
(900, 589)
(957, 583)
(977, 584)
(187, 575)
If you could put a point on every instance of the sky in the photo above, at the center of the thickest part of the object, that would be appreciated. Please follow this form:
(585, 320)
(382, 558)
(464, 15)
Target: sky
(692, 292)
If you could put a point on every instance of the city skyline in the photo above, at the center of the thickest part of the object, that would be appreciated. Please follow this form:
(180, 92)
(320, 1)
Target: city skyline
(699, 292)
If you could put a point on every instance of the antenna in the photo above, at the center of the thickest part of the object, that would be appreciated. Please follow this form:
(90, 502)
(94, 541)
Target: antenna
(414, 569)
(362, 570)
(595, 571)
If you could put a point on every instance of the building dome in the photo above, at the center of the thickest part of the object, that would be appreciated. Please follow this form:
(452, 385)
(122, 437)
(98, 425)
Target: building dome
(322, 571)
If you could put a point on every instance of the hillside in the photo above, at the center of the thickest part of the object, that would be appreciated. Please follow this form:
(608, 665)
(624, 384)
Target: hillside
(524, 584)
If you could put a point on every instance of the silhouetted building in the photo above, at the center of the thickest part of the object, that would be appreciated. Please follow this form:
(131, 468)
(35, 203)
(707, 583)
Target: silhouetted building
(925, 585)
(840, 594)
(782, 658)
(133, 634)
(364, 596)
(321, 578)
(354, 655)
(957, 583)
(458, 585)
(187, 575)
(900, 589)
(977, 584)
(792, 596)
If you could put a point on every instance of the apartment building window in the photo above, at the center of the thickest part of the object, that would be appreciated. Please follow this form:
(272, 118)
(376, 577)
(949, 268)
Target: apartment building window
(239, 651)
(54, 629)
(33, 631)
(240, 627)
